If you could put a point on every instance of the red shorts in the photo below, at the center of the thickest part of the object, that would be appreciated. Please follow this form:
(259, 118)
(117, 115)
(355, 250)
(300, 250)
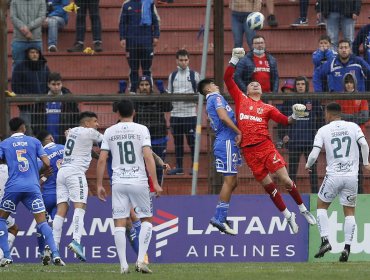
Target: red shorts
(263, 159)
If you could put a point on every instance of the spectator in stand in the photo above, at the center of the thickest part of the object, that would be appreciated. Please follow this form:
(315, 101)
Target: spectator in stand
(30, 77)
(258, 65)
(240, 9)
(323, 54)
(56, 19)
(27, 17)
(335, 69)
(152, 115)
(184, 114)
(139, 34)
(300, 135)
(363, 38)
(287, 87)
(93, 7)
(339, 15)
(356, 111)
(271, 19)
(303, 10)
(55, 117)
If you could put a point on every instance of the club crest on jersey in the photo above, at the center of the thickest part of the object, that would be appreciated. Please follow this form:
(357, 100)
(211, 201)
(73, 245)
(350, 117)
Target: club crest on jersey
(259, 111)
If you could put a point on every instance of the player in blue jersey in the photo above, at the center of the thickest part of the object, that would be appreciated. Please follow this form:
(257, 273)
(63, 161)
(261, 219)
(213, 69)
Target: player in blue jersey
(20, 153)
(225, 149)
(49, 184)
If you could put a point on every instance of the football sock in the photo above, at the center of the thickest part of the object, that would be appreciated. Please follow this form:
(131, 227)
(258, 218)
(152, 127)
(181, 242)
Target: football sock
(11, 238)
(275, 196)
(144, 240)
(57, 229)
(347, 247)
(47, 232)
(349, 229)
(133, 238)
(296, 195)
(221, 211)
(137, 226)
(78, 224)
(40, 241)
(302, 208)
(323, 222)
(4, 238)
(120, 240)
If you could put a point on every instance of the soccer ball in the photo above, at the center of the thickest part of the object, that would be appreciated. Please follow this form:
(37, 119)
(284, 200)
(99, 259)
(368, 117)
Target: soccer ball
(255, 21)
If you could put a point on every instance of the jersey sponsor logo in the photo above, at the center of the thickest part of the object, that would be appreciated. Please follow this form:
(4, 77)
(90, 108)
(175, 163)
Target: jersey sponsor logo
(249, 117)
(262, 69)
(167, 224)
(51, 111)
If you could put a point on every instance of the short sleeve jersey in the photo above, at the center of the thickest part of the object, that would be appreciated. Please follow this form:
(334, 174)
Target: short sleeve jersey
(216, 101)
(340, 141)
(77, 150)
(20, 153)
(125, 141)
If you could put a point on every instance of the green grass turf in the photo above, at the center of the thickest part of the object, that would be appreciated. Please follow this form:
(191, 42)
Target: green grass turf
(233, 271)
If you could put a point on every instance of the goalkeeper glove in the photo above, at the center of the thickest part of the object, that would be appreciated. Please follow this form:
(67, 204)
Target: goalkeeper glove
(299, 111)
(237, 54)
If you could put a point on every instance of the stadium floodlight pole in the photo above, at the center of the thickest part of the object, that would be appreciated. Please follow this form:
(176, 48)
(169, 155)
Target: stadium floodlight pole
(3, 65)
(198, 130)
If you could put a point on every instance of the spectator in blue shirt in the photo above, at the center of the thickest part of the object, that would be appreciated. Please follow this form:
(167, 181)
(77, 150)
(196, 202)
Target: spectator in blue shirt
(335, 69)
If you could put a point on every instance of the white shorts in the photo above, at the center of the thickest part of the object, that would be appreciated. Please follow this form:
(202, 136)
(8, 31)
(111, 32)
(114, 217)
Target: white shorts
(344, 186)
(125, 196)
(71, 186)
(10, 222)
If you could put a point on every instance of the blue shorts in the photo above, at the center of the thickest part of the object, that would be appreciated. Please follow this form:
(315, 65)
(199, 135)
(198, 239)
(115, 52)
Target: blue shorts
(227, 156)
(50, 201)
(32, 200)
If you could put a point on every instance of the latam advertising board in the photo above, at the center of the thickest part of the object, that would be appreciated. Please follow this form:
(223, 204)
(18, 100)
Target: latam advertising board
(182, 232)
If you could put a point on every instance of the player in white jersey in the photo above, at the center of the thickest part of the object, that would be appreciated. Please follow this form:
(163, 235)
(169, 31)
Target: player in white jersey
(71, 178)
(10, 221)
(130, 146)
(341, 140)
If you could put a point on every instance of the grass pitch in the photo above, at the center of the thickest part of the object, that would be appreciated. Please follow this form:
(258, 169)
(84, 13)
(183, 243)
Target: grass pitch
(234, 271)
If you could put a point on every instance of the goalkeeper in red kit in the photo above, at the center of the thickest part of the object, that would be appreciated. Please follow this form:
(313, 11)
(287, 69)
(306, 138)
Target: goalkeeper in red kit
(259, 152)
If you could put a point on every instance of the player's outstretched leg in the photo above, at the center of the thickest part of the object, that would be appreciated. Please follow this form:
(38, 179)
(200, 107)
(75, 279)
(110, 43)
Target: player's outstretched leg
(47, 232)
(219, 220)
(302, 208)
(78, 225)
(349, 229)
(323, 226)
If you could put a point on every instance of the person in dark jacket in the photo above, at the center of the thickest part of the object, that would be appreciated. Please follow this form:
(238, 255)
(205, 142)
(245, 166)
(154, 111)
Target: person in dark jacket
(30, 77)
(363, 38)
(152, 115)
(300, 135)
(258, 65)
(55, 117)
(139, 34)
(339, 15)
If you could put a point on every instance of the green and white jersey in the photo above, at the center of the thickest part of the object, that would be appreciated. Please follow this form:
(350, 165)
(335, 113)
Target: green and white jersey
(125, 141)
(342, 152)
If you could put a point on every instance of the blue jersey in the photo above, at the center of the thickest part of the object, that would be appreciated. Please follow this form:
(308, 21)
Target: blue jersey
(216, 101)
(55, 155)
(21, 153)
